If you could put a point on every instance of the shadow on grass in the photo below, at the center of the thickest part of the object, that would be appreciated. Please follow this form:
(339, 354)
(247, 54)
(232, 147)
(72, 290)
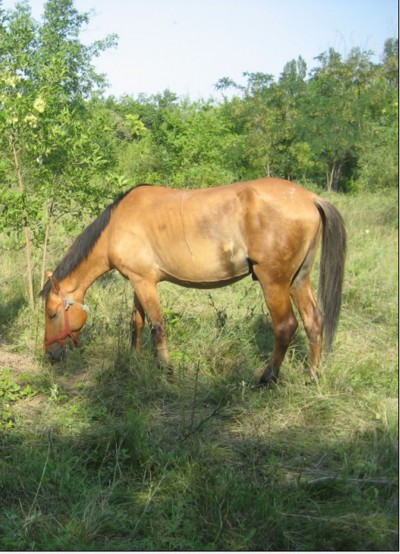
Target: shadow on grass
(9, 311)
(130, 461)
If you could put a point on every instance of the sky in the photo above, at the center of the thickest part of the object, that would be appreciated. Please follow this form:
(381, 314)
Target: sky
(188, 45)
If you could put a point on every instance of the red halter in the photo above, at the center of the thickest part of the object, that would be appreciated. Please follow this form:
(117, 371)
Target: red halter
(66, 332)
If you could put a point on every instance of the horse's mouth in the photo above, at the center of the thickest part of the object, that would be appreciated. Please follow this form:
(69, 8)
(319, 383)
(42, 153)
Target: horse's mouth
(58, 351)
(57, 355)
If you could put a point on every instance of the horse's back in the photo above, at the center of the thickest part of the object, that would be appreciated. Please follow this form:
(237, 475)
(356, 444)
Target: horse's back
(274, 191)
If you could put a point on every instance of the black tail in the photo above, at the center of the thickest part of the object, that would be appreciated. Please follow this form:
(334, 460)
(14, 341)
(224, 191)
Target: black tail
(331, 268)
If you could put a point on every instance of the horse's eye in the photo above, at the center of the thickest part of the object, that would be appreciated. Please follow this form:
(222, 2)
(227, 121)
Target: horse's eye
(52, 316)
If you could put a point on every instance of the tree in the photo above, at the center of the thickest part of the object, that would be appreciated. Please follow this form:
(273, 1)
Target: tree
(49, 134)
(256, 119)
(171, 141)
(390, 65)
(378, 157)
(203, 146)
(333, 111)
(327, 128)
(296, 155)
(17, 42)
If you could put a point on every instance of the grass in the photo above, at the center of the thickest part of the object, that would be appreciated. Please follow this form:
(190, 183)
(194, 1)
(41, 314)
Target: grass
(102, 452)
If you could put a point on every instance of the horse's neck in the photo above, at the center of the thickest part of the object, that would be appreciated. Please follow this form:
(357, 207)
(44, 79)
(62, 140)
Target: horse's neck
(90, 269)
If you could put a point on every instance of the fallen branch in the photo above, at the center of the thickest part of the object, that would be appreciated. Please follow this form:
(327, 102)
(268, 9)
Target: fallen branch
(328, 479)
(194, 430)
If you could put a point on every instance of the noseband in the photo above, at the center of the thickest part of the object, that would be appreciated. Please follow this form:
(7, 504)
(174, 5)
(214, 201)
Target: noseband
(66, 332)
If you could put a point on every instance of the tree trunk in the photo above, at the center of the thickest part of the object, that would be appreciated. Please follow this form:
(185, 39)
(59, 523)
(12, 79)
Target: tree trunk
(333, 177)
(328, 180)
(27, 231)
(45, 246)
(46, 242)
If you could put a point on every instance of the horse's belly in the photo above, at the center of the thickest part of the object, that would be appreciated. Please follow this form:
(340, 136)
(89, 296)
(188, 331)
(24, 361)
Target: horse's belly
(208, 263)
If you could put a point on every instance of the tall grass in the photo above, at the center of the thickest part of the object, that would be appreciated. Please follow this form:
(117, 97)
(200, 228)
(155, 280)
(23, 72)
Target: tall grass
(103, 452)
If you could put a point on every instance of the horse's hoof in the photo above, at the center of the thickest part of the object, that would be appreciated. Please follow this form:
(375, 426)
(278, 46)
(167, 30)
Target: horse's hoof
(314, 375)
(267, 381)
(170, 372)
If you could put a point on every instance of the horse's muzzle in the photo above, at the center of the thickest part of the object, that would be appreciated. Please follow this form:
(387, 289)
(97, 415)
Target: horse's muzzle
(57, 352)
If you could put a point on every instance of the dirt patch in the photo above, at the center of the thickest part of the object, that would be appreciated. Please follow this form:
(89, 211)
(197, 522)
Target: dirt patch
(30, 408)
(18, 363)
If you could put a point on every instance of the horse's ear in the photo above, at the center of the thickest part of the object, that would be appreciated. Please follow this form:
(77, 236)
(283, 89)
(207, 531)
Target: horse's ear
(55, 285)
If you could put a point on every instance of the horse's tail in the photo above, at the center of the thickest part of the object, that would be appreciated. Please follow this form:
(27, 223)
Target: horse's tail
(331, 268)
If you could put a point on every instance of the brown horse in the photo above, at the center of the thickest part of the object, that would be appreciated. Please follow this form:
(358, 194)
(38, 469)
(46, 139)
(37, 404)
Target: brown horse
(207, 238)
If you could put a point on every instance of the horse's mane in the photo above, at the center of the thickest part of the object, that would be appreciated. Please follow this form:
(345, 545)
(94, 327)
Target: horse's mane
(83, 244)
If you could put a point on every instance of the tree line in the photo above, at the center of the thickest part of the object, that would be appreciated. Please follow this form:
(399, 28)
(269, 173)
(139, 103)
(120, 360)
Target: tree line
(335, 127)
(66, 147)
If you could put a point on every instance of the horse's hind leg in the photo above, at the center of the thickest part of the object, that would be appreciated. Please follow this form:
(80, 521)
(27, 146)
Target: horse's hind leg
(312, 319)
(284, 323)
(137, 323)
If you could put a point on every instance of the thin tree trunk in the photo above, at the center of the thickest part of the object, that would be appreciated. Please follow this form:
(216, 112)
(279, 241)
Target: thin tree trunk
(45, 244)
(333, 177)
(267, 170)
(329, 175)
(27, 231)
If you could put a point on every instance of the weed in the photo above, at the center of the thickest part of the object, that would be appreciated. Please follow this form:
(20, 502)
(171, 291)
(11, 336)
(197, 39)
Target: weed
(11, 392)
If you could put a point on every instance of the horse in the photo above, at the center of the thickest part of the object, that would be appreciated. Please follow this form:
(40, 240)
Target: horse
(266, 228)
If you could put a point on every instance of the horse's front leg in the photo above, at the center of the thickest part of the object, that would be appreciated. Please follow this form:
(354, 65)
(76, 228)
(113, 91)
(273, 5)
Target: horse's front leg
(147, 301)
(137, 323)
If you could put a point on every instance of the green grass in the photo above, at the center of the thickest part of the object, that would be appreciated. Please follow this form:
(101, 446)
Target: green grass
(102, 452)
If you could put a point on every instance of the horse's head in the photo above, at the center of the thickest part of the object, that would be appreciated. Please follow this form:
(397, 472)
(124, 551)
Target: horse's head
(64, 318)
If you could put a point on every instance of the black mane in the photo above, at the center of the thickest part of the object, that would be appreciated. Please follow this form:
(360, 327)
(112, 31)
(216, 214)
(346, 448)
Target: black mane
(83, 244)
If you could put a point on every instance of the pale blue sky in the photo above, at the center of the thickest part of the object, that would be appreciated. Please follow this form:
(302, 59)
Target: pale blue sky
(187, 45)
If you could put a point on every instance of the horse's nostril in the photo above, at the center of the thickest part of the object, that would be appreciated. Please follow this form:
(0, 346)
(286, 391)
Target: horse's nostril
(56, 355)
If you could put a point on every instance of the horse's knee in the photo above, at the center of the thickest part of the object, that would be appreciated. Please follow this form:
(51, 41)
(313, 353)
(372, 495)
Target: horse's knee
(158, 333)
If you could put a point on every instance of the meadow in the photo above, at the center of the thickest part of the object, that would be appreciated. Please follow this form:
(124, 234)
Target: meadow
(103, 452)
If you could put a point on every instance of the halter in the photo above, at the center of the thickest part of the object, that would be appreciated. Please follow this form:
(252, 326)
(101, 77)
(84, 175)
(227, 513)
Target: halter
(66, 332)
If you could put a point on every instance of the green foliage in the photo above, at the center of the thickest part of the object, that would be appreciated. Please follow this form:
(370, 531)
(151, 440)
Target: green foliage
(336, 127)
(53, 138)
(11, 392)
(180, 144)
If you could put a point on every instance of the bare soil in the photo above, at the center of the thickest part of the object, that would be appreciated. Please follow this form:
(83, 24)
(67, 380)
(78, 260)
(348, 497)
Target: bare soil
(18, 363)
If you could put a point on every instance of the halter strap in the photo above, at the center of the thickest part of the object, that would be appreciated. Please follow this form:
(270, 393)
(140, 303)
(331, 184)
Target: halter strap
(69, 302)
(67, 331)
